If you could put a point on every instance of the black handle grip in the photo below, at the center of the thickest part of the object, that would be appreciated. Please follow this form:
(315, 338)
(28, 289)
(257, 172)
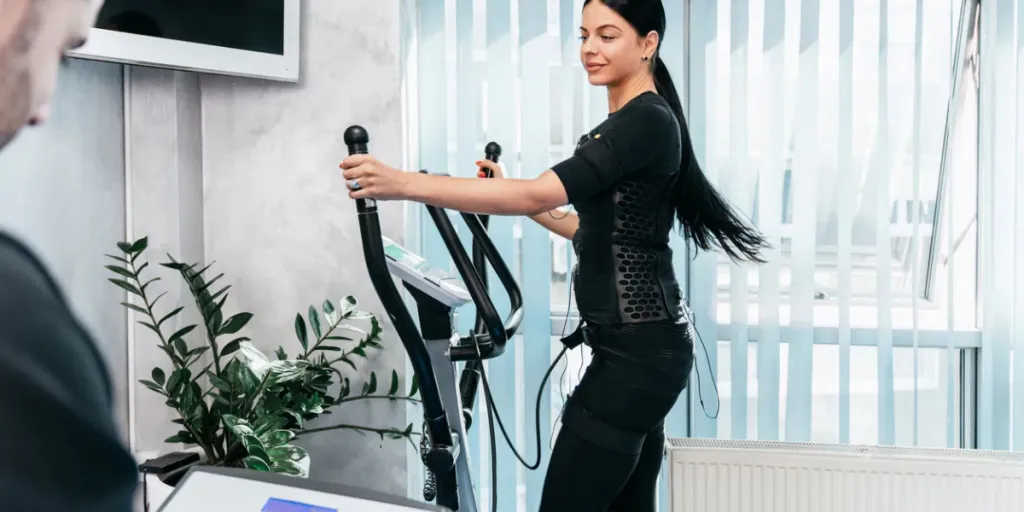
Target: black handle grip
(357, 140)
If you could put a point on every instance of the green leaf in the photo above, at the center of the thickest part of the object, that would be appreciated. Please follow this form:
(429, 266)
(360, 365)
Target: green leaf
(339, 338)
(204, 268)
(349, 327)
(151, 327)
(126, 285)
(287, 452)
(174, 265)
(139, 245)
(197, 351)
(328, 309)
(346, 388)
(208, 284)
(179, 438)
(270, 424)
(174, 382)
(158, 297)
(218, 382)
(314, 322)
(255, 446)
(231, 420)
(218, 294)
(181, 347)
(281, 354)
(181, 332)
(153, 386)
(359, 351)
(289, 467)
(415, 387)
(235, 323)
(118, 258)
(348, 305)
(370, 387)
(169, 315)
(256, 464)
(232, 346)
(394, 383)
(158, 376)
(147, 283)
(120, 271)
(350, 363)
(125, 247)
(277, 438)
(300, 331)
(328, 348)
(133, 307)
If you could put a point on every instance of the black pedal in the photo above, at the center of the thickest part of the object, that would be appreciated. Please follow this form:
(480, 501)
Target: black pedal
(167, 463)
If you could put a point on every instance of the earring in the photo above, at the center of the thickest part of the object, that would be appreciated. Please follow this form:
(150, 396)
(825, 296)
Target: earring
(646, 58)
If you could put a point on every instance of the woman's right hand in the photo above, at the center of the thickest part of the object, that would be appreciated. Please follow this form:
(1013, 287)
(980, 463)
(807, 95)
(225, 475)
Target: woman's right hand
(494, 167)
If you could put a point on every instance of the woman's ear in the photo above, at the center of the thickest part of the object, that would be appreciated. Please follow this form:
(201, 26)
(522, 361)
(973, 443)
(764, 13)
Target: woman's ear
(651, 43)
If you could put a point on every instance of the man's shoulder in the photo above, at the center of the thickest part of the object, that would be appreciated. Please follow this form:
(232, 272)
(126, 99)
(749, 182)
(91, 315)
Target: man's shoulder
(39, 330)
(26, 282)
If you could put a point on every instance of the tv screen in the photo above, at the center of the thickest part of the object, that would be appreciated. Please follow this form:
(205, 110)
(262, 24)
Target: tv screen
(255, 38)
(253, 25)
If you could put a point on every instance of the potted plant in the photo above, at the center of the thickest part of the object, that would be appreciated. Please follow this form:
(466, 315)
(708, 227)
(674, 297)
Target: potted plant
(239, 407)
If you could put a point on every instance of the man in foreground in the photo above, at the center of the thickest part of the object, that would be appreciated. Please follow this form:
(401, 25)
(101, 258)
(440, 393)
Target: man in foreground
(59, 447)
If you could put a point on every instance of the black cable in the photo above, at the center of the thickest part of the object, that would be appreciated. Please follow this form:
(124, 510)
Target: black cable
(707, 357)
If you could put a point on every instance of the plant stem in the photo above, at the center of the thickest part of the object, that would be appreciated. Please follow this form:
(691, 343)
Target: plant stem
(149, 311)
(163, 341)
(345, 354)
(355, 427)
(324, 338)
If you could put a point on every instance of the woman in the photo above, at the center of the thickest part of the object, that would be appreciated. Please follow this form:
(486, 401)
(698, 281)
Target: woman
(627, 179)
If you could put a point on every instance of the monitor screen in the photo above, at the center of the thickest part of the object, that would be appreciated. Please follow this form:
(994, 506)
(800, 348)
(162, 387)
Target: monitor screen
(247, 38)
(253, 25)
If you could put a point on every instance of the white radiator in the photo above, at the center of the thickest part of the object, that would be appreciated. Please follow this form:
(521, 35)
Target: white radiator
(708, 475)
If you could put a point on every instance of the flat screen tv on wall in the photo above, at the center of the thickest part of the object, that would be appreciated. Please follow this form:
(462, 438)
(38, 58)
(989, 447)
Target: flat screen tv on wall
(249, 38)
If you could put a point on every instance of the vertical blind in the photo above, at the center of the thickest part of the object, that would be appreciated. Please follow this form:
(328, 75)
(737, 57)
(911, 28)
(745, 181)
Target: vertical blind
(1001, 217)
(845, 131)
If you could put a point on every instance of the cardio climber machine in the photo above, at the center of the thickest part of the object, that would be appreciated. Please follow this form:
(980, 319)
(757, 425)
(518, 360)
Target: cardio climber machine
(434, 352)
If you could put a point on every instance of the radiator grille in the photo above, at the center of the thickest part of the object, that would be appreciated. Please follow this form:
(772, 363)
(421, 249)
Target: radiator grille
(761, 476)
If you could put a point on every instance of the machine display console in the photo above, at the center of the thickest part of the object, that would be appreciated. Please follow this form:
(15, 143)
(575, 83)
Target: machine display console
(413, 269)
(238, 490)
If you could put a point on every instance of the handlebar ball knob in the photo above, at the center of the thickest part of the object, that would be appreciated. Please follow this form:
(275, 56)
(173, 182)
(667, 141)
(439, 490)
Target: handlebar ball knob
(356, 134)
(493, 148)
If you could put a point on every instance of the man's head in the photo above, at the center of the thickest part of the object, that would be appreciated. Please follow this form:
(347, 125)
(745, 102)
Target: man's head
(34, 36)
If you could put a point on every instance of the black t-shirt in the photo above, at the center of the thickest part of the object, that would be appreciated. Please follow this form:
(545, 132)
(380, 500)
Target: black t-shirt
(59, 447)
(621, 180)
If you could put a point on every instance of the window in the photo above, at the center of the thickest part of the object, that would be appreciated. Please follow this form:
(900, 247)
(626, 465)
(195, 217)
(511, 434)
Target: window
(938, 418)
(814, 136)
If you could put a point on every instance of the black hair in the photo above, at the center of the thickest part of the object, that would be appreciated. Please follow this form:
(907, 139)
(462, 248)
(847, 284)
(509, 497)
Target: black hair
(702, 212)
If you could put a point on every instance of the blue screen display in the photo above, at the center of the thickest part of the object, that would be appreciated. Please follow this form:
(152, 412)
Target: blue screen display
(278, 505)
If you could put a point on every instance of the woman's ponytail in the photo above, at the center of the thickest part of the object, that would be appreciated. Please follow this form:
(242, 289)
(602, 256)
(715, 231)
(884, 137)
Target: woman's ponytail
(702, 212)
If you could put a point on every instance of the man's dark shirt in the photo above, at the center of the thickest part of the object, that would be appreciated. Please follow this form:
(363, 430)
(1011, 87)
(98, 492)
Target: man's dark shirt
(59, 447)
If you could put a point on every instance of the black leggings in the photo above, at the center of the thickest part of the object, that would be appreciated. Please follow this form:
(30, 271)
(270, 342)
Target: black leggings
(634, 379)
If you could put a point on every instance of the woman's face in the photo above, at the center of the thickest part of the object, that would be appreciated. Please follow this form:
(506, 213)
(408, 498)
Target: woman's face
(610, 48)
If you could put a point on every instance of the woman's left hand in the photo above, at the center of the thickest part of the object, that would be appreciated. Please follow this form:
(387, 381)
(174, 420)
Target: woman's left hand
(366, 178)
